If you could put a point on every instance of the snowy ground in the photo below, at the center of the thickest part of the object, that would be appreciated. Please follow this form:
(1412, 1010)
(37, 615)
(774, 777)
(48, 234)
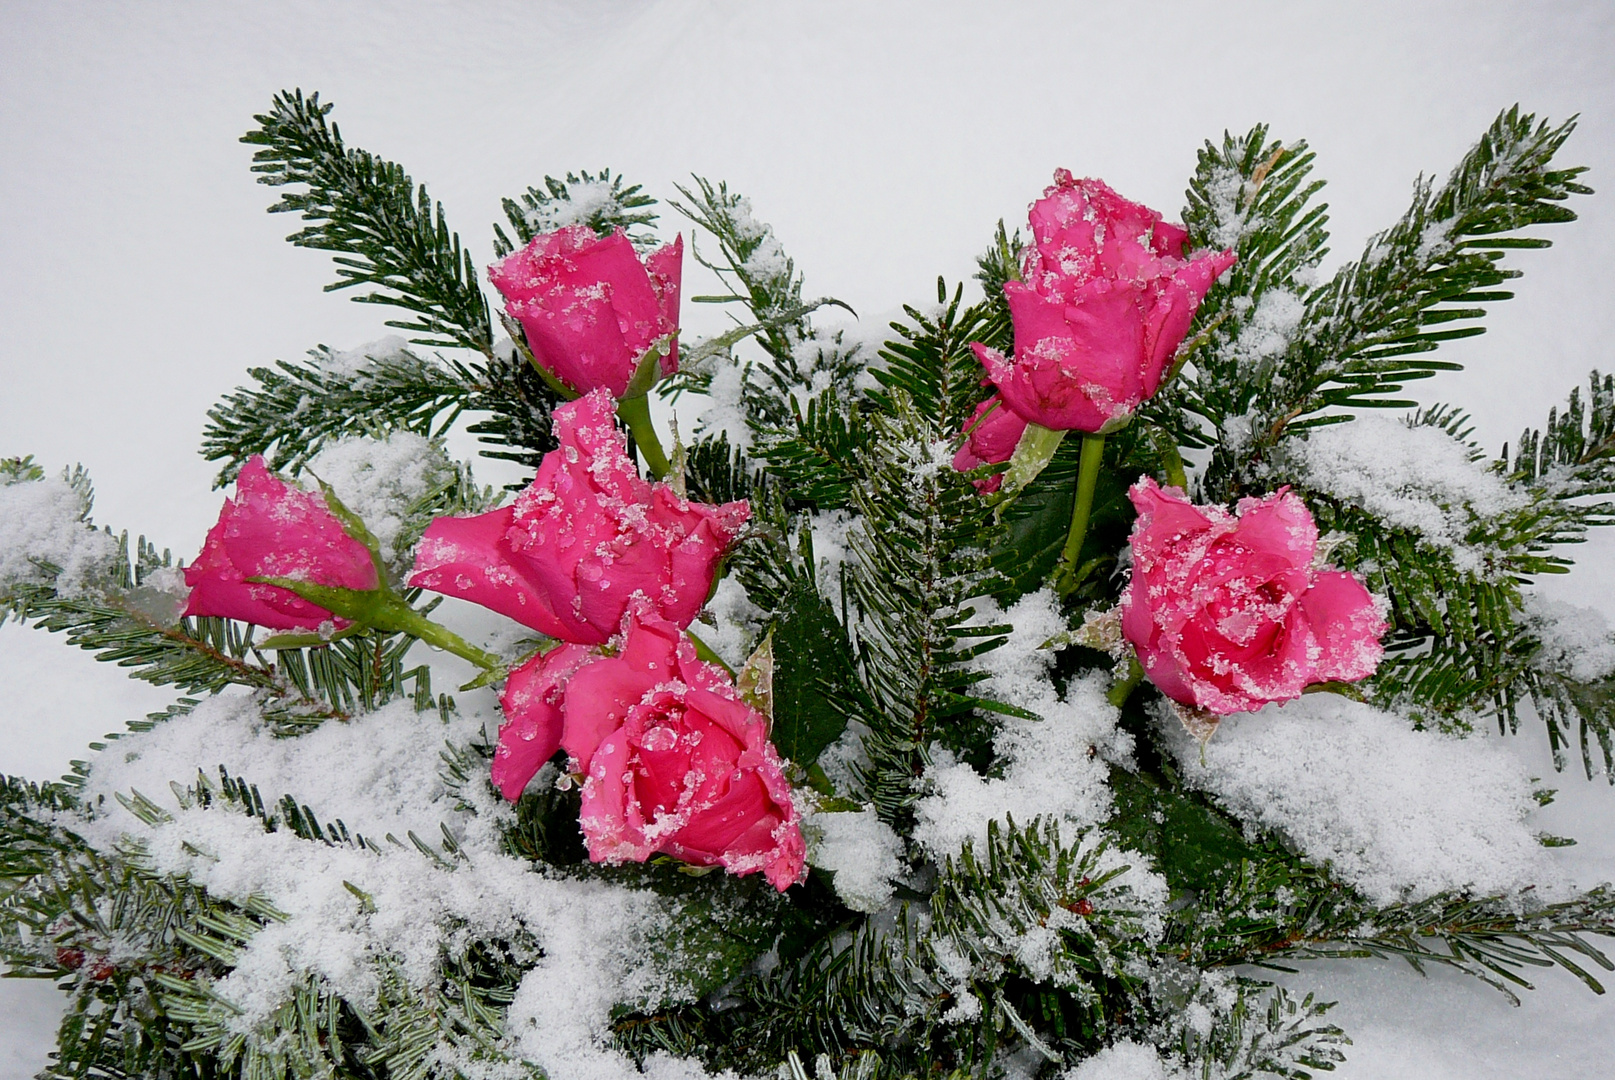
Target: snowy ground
(140, 276)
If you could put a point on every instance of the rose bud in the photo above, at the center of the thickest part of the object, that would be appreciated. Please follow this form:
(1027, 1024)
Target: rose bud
(991, 435)
(1228, 613)
(673, 758)
(586, 538)
(274, 529)
(589, 308)
(1107, 295)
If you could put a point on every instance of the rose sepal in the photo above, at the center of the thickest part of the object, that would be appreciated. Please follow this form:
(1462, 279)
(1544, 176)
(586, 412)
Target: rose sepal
(382, 609)
(1034, 451)
(648, 370)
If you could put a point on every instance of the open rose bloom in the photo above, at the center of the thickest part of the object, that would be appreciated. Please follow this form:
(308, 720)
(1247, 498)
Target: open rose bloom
(585, 539)
(589, 307)
(273, 529)
(674, 760)
(1107, 295)
(1228, 613)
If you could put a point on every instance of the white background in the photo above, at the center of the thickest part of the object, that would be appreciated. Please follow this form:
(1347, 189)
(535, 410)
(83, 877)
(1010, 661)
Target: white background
(139, 275)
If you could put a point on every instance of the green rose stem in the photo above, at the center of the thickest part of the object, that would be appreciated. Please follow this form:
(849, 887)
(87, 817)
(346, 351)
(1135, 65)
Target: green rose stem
(1123, 688)
(1093, 452)
(635, 411)
(382, 609)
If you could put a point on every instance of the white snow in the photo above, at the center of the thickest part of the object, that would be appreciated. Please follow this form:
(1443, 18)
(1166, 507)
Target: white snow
(1126, 1060)
(125, 391)
(861, 851)
(1577, 641)
(1417, 478)
(586, 199)
(1270, 328)
(351, 362)
(380, 479)
(1053, 766)
(725, 412)
(43, 521)
(378, 774)
(729, 623)
(1400, 814)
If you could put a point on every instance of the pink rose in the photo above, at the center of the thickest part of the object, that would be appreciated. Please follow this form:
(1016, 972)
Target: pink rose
(1107, 296)
(1228, 612)
(990, 440)
(589, 307)
(272, 529)
(673, 758)
(585, 539)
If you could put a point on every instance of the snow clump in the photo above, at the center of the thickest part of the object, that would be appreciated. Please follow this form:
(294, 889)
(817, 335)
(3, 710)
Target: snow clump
(1417, 478)
(861, 850)
(1054, 766)
(381, 480)
(1401, 814)
(1576, 641)
(1126, 1060)
(354, 913)
(46, 521)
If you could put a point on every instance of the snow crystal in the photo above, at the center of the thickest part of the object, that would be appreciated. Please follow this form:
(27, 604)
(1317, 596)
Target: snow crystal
(1126, 1060)
(1271, 327)
(1417, 478)
(351, 911)
(832, 535)
(1400, 814)
(861, 850)
(1576, 641)
(730, 622)
(44, 521)
(350, 362)
(380, 479)
(1054, 766)
(587, 198)
(726, 412)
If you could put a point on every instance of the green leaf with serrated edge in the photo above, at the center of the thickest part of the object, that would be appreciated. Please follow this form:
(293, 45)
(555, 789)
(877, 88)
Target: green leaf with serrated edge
(810, 650)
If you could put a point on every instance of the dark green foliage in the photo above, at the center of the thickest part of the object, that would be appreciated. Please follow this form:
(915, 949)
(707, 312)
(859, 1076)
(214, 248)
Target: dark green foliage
(385, 232)
(918, 560)
(931, 361)
(610, 206)
(812, 670)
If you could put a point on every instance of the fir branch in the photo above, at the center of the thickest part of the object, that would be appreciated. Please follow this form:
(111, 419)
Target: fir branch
(1255, 197)
(755, 269)
(1435, 267)
(386, 232)
(931, 360)
(918, 558)
(295, 410)
(1358, 339)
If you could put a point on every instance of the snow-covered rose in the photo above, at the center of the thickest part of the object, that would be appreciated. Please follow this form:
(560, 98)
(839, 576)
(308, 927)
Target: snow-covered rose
(274, 529)
(991, 435)
(673, 758)
(583, 541)
(1107, 295)
(589, 307)
(1228, 613)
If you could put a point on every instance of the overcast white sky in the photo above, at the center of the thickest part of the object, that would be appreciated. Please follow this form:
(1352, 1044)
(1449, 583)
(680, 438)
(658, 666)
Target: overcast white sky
(140, 276)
